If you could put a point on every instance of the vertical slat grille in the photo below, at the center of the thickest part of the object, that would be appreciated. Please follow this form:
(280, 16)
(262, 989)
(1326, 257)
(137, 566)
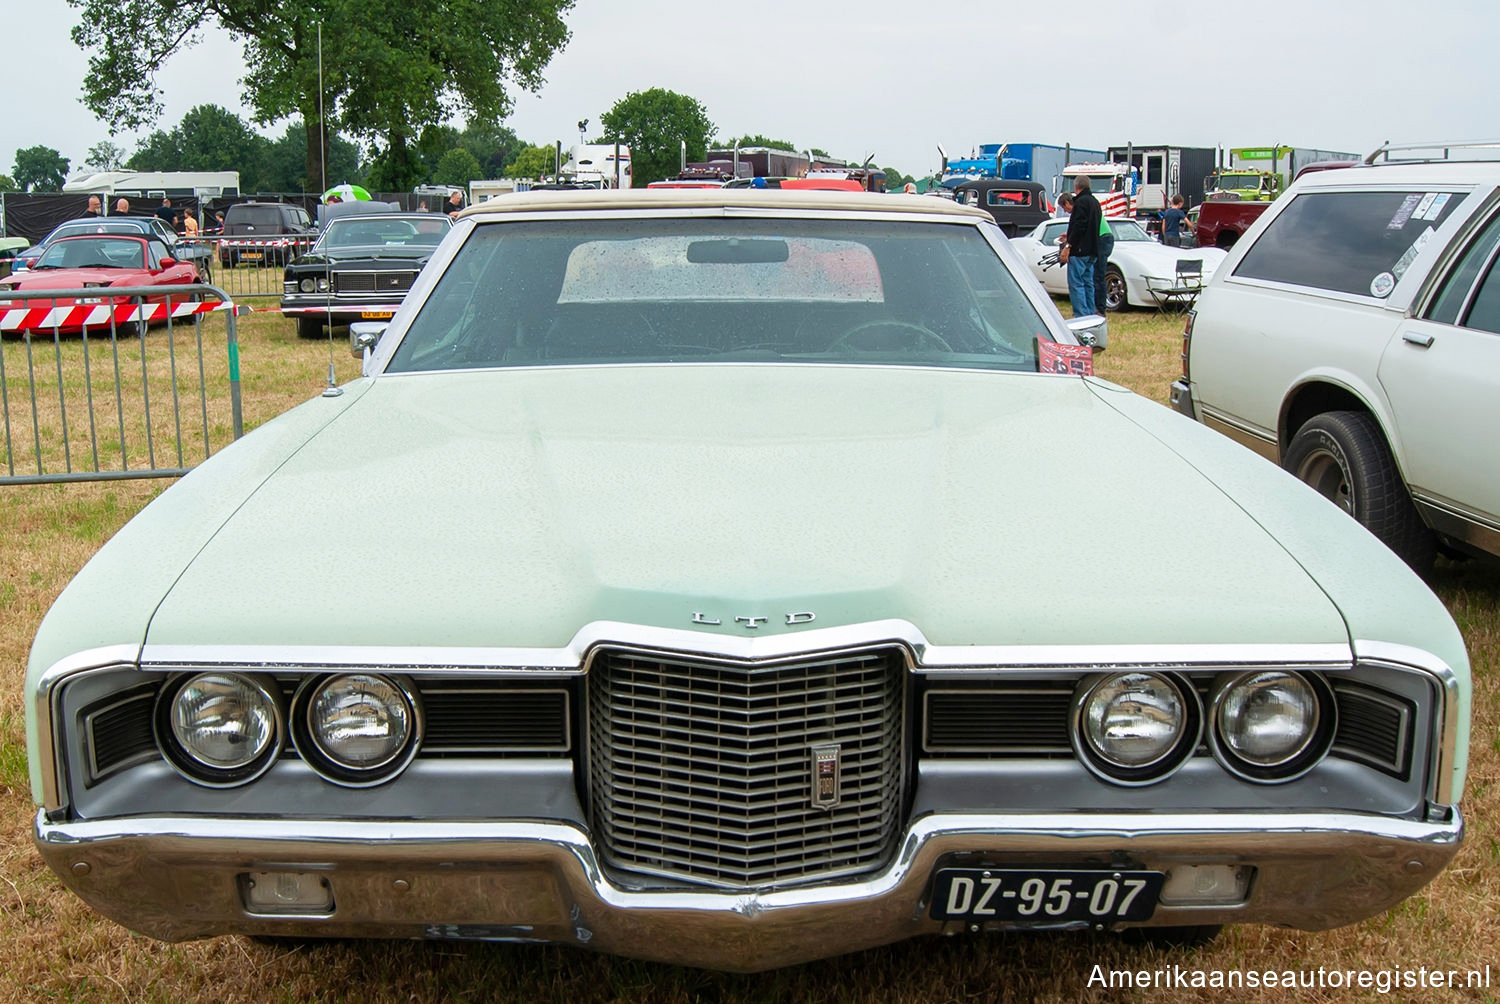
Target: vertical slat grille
(703, 770)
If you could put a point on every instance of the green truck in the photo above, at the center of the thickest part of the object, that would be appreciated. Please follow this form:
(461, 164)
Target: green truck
(1260, 173)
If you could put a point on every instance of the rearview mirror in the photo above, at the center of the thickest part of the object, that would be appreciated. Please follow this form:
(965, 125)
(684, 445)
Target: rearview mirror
(364, 335)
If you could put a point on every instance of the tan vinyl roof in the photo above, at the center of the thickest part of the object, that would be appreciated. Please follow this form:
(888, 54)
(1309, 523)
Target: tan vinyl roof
(635, 199)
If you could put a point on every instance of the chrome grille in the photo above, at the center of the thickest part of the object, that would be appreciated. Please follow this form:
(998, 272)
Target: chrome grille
(366, 281)
(703, 770)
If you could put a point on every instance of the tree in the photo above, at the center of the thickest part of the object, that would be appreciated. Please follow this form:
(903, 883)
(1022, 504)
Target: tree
(40, 169)
(7, 184)
(387, 65)
(105, 156)
(655, 123)
(492, 145)
(532, 162)
(284, 167)
(895, 180)
(820, 153)
(457, 167)
(757, 139)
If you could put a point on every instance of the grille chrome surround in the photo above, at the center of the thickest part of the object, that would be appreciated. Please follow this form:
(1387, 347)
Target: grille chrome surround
(371, 281)
(700, 768)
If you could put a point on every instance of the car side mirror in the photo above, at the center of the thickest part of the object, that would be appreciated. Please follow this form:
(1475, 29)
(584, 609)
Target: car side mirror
(364, 336)
(168, 262)
(1090, 329)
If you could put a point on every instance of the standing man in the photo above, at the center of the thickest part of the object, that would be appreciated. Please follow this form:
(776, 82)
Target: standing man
(455, 204)
(165, 213)
(1082, 247)
(96, 208)
(1101, 264)
(1064, 206)
(122, 207)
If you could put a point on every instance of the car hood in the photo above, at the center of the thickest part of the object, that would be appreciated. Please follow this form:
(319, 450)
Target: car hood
(512, 507)
(1159, 260)
(376, 256)
(73, 278)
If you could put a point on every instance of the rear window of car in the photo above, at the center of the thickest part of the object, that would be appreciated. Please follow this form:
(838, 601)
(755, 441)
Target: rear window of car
(1348, 242)
(1015, 198)
(258, 216)
(657, 290)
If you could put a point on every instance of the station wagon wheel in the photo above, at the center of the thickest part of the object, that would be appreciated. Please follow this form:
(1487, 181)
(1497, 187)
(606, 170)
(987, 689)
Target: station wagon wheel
(1343, 456)
(1115, 297)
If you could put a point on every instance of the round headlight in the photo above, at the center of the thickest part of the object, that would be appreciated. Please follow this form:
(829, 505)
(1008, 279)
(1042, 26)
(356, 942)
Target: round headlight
(309, 285)
(322, 285)
(1269, 726)
(1136, 727)
(362, 727)
(224, 728)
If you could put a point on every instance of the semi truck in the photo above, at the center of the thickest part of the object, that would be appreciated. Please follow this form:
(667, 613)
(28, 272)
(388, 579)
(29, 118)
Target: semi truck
(1039, 162)
(1164, 171)
(1260, 173)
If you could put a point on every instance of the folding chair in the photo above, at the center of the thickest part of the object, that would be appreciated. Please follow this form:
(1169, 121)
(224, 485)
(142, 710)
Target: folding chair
(1182, 289)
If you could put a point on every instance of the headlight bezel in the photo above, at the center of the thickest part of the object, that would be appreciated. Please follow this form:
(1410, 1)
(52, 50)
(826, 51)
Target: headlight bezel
(193, 768)
(1161, 767)
(305, 739)
(1313, 750)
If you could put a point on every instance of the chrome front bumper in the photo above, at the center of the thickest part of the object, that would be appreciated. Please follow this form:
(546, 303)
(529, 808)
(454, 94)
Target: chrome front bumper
(176, 878)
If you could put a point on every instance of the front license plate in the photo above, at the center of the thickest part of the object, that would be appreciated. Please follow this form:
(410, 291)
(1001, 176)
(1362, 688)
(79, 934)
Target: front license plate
(251, 255)
(375, 315)
(1044, 897)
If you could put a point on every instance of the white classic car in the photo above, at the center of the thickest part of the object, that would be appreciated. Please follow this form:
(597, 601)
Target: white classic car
(1137, 264)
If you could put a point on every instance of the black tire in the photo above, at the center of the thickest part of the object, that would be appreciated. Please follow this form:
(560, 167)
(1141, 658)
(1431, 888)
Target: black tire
(1187, 936)
(1115, 296)
(309, 327)
(1343, 456)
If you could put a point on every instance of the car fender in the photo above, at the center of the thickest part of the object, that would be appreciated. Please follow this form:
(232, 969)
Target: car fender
(1368, 395)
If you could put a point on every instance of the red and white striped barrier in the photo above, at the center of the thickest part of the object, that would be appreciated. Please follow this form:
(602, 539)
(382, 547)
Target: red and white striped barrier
(97, 315)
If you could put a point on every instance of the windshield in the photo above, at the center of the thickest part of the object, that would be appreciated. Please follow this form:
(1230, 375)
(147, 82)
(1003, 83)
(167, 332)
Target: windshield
(1128, 230)
(392, 233)
(536, 293)
(93, 252)
(1239, 181)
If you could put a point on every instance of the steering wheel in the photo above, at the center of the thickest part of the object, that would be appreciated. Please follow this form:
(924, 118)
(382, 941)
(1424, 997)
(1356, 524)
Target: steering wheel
(923, 335)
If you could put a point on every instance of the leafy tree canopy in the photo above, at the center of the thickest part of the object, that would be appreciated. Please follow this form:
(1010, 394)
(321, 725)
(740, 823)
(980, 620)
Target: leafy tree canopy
(106, 156)
(532, 162)
(819, 153)
(40, 169)
(386, 64)
(895, 180)
(655, 123)
(756, 139)
(456, 167)
(7, 184)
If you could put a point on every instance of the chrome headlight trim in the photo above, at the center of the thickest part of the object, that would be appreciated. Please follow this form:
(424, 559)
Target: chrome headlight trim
(1307, 756)
(193, 767)
(312, 750)
(1159, 768)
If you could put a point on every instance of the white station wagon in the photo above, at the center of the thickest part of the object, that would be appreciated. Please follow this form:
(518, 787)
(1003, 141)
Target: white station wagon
(1353, 336)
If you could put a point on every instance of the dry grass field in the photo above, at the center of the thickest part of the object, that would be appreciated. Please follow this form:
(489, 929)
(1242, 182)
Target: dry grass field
(54, 948)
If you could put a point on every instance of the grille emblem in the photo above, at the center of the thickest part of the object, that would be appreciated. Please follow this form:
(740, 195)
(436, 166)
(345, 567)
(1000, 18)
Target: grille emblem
(825, 776)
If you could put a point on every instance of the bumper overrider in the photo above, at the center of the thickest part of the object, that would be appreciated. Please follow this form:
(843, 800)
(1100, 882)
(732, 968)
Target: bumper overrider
(177, 879)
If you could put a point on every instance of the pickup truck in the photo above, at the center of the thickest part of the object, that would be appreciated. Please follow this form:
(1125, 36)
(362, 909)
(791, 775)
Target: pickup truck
(1221, 222)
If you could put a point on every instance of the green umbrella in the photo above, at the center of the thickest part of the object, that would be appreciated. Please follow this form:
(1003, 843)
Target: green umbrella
(346, 193)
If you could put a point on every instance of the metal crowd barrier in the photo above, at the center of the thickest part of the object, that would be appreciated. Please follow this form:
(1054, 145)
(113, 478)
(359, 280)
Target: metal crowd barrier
(251, 266)
(84, 380)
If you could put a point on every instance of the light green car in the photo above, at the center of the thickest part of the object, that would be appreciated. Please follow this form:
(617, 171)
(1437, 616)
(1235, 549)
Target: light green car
(729, 578)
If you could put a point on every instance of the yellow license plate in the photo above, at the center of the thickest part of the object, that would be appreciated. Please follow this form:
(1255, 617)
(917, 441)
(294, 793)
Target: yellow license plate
(376, 315)
(251, 255)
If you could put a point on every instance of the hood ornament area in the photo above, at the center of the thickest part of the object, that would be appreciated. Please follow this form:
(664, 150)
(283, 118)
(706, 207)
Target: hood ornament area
(753, 622)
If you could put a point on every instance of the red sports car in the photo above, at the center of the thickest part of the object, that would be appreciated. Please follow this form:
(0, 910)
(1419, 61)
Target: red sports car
(95, 260)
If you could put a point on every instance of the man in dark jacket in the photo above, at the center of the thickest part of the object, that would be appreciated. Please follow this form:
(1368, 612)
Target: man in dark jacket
(1082, 247)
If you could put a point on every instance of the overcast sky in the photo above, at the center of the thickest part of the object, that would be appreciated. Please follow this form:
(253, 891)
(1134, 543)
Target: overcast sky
(897, 77)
